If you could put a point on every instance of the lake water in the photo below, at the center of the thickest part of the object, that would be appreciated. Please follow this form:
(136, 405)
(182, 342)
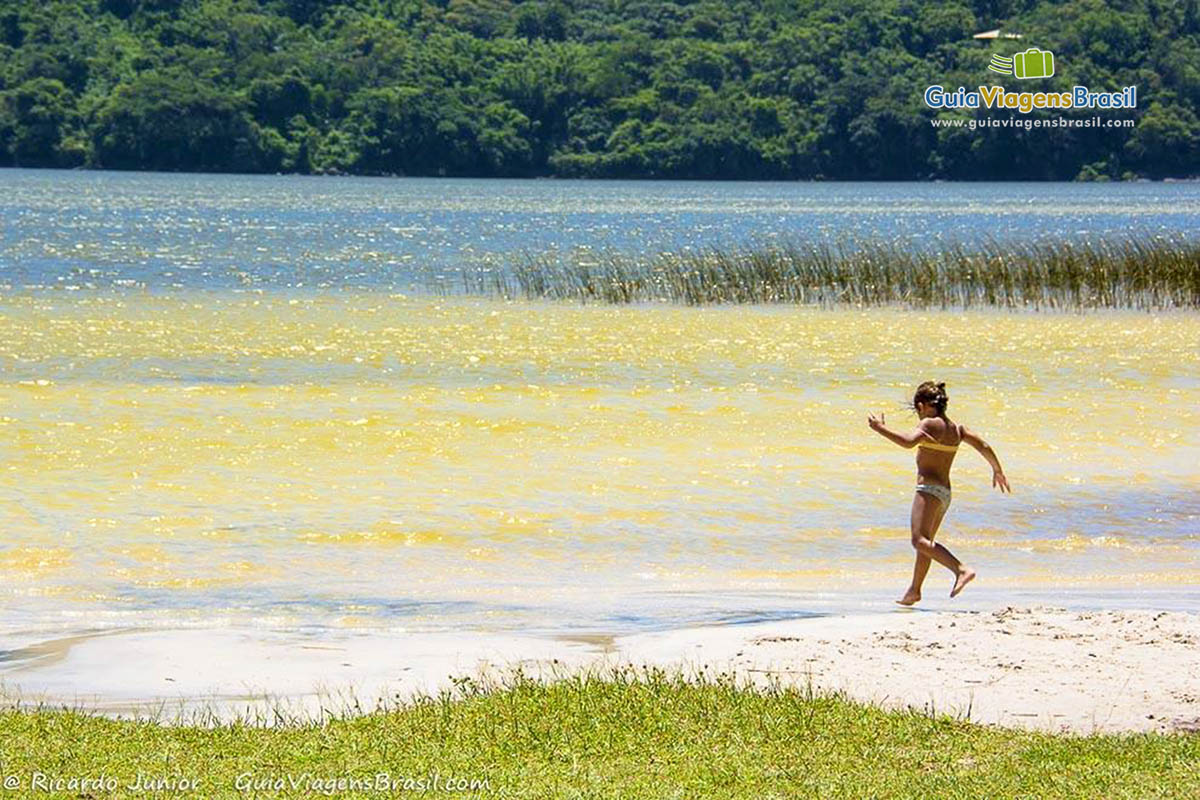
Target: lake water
(160, 231)
(191, 435)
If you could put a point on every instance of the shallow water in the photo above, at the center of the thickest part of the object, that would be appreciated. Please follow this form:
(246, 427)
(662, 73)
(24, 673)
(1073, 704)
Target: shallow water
(221, 403)
(373, 460)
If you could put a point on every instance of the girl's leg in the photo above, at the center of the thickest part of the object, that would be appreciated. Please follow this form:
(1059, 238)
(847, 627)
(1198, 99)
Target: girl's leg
(921, 567)
(927, 514)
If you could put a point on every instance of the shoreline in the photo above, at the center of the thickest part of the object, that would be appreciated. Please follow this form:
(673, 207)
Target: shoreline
(1034, 667)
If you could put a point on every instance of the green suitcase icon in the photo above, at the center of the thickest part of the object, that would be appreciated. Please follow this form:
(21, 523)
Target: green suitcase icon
(1033, 63)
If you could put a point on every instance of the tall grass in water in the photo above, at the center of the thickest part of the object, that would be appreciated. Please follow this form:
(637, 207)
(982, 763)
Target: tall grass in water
(1132, 273)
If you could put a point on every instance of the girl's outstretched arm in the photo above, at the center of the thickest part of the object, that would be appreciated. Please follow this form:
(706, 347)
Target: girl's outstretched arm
(985, 450)
(906, 440)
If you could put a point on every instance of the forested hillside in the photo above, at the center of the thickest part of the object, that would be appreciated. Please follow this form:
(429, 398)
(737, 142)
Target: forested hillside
(584, 88)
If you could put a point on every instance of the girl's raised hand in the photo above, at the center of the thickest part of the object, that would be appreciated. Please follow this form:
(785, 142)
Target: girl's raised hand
(875, 424)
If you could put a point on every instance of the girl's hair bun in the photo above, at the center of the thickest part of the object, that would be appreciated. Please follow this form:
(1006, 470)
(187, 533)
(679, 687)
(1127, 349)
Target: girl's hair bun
(932, 393)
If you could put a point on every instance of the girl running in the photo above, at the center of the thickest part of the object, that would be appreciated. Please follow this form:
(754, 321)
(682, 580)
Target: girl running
(936, 438)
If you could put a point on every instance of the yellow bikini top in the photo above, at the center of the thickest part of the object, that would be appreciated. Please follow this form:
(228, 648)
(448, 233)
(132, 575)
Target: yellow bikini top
(945, 448)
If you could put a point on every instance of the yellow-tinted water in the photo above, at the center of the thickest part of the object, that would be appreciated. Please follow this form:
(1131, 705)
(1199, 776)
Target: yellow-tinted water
(373, 459)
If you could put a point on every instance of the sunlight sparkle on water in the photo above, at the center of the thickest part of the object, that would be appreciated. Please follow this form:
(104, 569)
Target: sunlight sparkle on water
(354, 458)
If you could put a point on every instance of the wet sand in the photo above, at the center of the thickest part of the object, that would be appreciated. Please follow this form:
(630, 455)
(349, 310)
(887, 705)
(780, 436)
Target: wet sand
(1039, 668)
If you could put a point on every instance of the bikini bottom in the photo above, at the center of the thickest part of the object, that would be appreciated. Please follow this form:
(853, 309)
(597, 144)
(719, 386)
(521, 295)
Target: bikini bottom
(936, 490)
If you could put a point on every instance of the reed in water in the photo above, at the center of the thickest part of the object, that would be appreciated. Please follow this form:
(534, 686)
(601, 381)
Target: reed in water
(1135, 273)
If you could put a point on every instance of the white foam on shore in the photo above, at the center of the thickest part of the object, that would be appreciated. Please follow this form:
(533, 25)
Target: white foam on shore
(259, 675)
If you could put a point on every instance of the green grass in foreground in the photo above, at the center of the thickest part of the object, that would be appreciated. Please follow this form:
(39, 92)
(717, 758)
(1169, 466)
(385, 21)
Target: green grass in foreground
(623, 735)
(1144, 273)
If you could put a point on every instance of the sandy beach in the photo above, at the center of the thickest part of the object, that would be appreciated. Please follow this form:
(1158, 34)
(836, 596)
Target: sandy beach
(1037, 668)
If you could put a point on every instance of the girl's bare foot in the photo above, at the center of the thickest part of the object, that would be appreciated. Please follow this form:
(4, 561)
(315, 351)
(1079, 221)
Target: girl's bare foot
(966, 576)
(911, 597)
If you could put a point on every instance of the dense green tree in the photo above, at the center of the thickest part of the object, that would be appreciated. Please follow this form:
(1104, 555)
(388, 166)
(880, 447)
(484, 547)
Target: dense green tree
(1167, 141)
(169, 120)
(594, 88)
(275, 100)
(538, 20)
(412, 131)
(41, 113)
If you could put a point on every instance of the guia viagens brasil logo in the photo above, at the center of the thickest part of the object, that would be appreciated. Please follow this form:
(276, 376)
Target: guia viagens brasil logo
(1033, 63)
(1030, 64)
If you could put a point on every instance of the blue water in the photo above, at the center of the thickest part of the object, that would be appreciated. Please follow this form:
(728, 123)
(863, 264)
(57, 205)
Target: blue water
(163, 231)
